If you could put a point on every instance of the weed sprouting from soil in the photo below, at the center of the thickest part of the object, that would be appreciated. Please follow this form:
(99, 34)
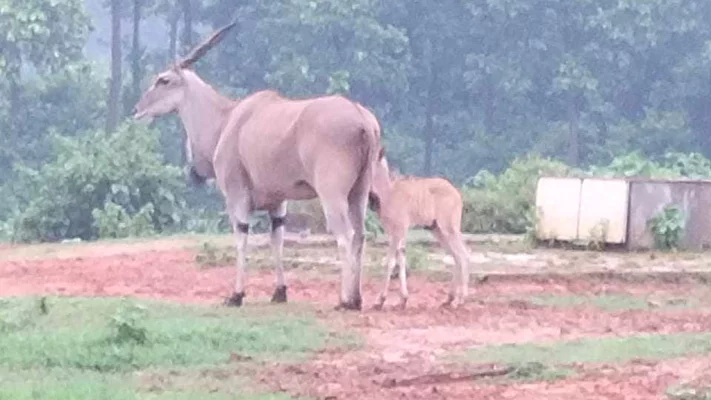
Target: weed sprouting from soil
(213, 256)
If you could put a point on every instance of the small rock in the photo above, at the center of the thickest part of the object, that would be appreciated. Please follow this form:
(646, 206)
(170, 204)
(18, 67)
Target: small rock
(234, 357)
(331, 387)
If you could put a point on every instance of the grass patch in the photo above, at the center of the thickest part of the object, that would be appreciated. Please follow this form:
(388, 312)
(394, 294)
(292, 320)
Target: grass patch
(103, 348)
(607, 302)
(595, 350)
(610, 302)
(109, 334)
(417, 257)
(688, 393)
(62, 385)
(58, 384)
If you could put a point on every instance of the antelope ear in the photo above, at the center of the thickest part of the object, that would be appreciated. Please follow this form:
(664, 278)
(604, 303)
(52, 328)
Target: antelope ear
(381, 153)
(179, 72)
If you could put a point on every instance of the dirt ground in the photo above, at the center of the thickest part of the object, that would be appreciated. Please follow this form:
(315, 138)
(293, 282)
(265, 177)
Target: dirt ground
(405, 351)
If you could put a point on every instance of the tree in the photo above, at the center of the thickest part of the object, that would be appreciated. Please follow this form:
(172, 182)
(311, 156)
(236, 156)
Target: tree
(136, 52)
(188, 11)
(116, 61)
(39, 38)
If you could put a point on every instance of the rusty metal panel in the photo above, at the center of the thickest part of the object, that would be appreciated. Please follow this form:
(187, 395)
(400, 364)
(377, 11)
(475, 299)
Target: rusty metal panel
(648, 198)
(603, 210)
(557, 202)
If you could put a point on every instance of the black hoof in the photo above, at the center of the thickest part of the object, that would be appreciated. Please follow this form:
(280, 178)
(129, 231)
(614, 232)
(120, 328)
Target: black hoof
(235, 300)
(449, 302)
(279, 295)
(356, 305)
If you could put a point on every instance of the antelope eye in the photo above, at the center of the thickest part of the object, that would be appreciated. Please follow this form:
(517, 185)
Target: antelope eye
(162, 81)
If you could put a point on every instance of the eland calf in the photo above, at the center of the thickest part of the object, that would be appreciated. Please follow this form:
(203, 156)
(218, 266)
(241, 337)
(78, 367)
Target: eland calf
(265, 149)
(432, 203)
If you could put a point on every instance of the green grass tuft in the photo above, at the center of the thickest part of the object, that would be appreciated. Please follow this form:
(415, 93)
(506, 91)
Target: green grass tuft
(595, 350)
(607, 302)
(610, 302)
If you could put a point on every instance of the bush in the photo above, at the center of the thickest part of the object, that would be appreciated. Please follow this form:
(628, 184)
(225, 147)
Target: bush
(668, 227)
(312, 208)
(99, 184)
(114, 222)
(207, 212)
(505, 203)
(671, 165)
(634, 165)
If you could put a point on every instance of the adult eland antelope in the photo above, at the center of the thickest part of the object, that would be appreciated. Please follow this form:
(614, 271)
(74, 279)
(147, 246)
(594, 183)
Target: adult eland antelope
(265, 149)
(433, 203)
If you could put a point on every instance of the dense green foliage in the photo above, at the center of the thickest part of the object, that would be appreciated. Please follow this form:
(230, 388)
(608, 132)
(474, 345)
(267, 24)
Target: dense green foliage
(668, 227)
(616, 87)
(505, 202)
(107, 184)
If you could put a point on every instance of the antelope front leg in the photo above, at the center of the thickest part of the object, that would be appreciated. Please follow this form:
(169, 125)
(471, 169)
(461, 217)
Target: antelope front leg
(277, 242)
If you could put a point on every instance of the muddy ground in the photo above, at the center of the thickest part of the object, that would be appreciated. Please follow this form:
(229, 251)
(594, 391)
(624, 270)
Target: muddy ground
(408, 353)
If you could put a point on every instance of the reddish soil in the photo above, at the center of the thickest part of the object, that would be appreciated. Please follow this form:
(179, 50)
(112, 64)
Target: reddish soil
(354, 376)
(400, 344)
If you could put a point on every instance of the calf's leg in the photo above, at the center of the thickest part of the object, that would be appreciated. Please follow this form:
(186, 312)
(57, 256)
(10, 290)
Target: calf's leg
(402, 264)
(390, 261)
(445, 240)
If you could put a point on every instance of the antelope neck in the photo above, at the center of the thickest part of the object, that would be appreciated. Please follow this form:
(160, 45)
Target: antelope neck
(204, 113)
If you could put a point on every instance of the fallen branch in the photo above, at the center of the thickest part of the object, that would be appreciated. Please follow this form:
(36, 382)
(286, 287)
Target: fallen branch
(446, 377)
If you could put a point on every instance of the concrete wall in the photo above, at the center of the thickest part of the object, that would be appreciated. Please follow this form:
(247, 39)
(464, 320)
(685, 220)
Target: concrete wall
(558, 204)
(587, 209)
(575, 209)
(649, 197)
(603, 210)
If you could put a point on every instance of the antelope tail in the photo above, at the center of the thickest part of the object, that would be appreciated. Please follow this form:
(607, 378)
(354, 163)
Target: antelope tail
(371, 157)
(373, 202)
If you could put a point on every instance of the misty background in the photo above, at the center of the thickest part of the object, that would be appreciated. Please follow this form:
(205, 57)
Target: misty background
(488, 93)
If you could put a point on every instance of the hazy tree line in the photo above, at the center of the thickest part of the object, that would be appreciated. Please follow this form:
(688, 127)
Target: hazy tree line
(459, 85)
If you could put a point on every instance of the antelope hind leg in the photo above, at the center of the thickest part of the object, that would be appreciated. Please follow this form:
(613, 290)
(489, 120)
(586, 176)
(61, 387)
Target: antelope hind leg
(461, 264)
(402, 263)
(339, 223)
(454, 295)
(278, 218)
(390, 262)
